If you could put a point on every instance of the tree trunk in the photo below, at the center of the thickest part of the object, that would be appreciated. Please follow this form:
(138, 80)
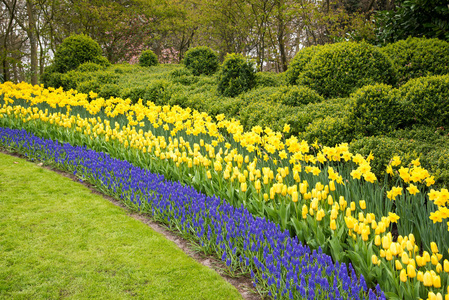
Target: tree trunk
(33, 42)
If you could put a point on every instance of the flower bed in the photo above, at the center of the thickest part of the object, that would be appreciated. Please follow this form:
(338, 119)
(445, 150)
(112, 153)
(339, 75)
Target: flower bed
(325, 196)
(279, 264)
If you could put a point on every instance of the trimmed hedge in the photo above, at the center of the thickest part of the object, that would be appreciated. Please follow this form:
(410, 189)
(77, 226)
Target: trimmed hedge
(74, 51)
(339, 69)
(329, 131)
(296, 95)
(237, 75)
(201, 60)
(265, 79)
(375, 109)
(148, 58)
(299, 62)
(427, 100)
(418, 57)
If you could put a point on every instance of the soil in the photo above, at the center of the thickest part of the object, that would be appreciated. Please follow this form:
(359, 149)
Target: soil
(243, 284)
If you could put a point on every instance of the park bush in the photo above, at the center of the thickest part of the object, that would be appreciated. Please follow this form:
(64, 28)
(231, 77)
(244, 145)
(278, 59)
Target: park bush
(74, 51)
(148, 58)
(339, 69)
(109, 90)
(133, 93)
(265, 114)
(296, 95)
(298, 63)
(89, 67)
(265, 79)
(258, 94)
(328, 131)
(375, 109)
(158, 91)
(102, 61)
(427, 100)
(201, 60)
(418, 57)
(88, 86)
(237, 75)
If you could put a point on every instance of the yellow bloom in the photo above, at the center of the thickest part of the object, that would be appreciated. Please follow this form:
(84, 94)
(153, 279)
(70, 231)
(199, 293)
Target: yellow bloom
(434, 247)
(396, 161)
(427, 279)
(286, 128)
(333, 225)
(398, 265)
(403, 275)
(412, 189)
(374, 259)
(362, 204)
(393, 217)
(411, 271)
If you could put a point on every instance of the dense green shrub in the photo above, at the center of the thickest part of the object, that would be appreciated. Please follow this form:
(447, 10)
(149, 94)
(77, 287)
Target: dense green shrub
(183, 76)
(296, 95)
(88, 86)
(266, 114)
(258, 94)
(427, 100)
(339, 69)
(158, 92)
(298, 63)
(201, 60)
(329, 131)
(109, 90)
(418, 57)
(89, 67)
(134, 93)
(269, 79)
(105, 77)
(102, 61)
(375, 109)
(237, 75)
(148, 58)
(75, 50)
(51, 78)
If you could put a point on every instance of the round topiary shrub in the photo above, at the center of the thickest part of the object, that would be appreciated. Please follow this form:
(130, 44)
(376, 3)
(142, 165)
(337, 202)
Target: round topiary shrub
(329, 131)
(418, 57)
(148, 58)
(101, 60)
(237, 75)
(427, 100)
(89, 67)
(375, 110)
(269, 79)
(296, 96)
(339, 69)
(74, 51)
(298, 63)
(201, 60)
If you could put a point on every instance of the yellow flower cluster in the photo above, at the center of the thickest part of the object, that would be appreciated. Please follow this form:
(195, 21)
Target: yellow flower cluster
(260, 160)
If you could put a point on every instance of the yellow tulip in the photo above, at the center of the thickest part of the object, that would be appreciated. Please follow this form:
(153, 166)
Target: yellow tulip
(411, 271)
(333, 225)
(434, 247)
(405, 259)
(377, 241)
(403, 275)
(427, 279)
(446, 266)
(398, 265)
(436, 281)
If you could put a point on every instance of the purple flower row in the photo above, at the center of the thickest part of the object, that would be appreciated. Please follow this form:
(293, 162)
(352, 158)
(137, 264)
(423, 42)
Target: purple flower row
(280, 266)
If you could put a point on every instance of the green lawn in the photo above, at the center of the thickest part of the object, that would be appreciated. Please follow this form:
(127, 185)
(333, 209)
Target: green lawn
(58, 239)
